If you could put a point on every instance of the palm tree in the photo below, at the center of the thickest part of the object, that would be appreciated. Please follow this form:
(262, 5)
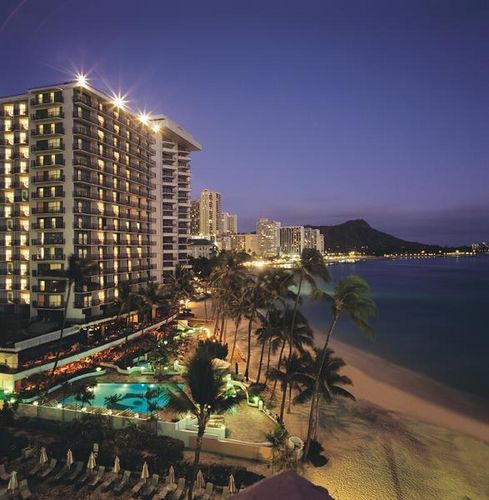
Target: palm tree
(297, 338)
(84, 395)
(237, 306)
(311, 266)
(292, 371)
(353, 297)
(331, 382)
(179, 285)
(204, 393)
(75, 274)
(127, 300)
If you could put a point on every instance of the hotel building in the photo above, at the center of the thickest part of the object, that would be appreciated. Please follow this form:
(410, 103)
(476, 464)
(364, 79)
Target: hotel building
(294, 239)
(229, 224)
(210, 209)
(81, 174)
(268, 236)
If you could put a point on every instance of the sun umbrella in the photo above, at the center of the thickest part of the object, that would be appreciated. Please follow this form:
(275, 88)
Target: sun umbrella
(200, 483)
(232, 485)
(117, 465)
(145, 471)
(43, 457)
(13, 483)
(171, 475)
(69, 458)
(91, 461)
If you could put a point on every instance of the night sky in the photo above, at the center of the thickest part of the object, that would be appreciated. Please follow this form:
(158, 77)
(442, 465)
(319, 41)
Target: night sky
(309, 112)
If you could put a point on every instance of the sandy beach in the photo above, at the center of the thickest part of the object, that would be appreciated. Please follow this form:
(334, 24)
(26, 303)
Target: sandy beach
(406, 436)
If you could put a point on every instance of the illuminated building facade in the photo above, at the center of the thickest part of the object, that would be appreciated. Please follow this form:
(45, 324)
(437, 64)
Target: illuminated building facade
(81, 174)
(210, 214)
(268, 235)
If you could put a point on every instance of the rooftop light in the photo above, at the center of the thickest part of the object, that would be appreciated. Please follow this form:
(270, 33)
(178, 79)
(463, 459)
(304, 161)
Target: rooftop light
(81, 79)
(144, 118)
(119, 101)
(156, 127)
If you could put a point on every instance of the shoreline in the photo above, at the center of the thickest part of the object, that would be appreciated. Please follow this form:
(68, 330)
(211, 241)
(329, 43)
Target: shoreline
(417, 396)
(398, 389)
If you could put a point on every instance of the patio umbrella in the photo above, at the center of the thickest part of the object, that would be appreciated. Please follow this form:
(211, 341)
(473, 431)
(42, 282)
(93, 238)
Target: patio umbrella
(200, 482)
(232, 485)
(69, 458)
(12, 482)
(91, 461)
(117, 465)
(171, 475)
(43, 457)
(145, 471)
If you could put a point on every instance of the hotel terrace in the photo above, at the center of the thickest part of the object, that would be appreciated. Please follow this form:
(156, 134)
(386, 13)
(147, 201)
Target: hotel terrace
(82, 174)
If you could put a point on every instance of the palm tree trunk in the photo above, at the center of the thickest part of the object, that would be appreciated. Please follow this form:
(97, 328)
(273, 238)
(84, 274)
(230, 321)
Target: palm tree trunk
(261, 361)
(223, 318)
(294, 315)
(235, 337)
(316, 423)
(198, 447)
(282, 404)
(315, 392)
(216, 324)
(250, 327)
(290, 398)
(269, 355)
(60, 340)
(278, 366)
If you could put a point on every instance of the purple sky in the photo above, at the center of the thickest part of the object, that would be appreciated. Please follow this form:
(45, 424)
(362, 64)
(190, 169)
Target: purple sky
(309, 112)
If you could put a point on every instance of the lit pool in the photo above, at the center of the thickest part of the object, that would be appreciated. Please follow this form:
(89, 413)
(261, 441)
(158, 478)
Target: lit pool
(131, 396)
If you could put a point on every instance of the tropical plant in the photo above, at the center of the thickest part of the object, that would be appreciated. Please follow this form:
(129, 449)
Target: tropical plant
(112, 400)
(204, 393)
(126, 300)
(331, 382)
(76, 273)
(84, 395)
(178, 285)
(213, 349)
(351, 296)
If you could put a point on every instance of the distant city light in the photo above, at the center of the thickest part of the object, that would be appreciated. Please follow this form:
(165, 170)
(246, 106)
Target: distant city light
(81, 79)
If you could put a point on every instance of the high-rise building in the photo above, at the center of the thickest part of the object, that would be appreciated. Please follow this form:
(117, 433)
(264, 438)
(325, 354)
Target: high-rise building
(229, 224)
(313, 239)
(81, 174)
(195, 217)
(210, 214)
(292, 240)
(173, 146)
(268, 233)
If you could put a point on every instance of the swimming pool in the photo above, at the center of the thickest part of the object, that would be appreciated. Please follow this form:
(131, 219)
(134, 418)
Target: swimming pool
(131, 396)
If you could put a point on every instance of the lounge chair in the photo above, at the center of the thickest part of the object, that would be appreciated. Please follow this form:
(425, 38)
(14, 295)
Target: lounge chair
(178, 493)
(86, 478)
(209, 490)
(4, 475)
(122, 484)
(225, 492)
(58, 477)
(110, 479)
(98, 478)
(74, 473)
(150, 487)
(138, 487)
(24, 490)
(36, 469)
(165, 490)
(4, 495)
(48, 470)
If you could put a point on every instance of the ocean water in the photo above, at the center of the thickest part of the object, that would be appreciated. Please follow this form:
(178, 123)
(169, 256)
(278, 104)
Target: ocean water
(433, 317)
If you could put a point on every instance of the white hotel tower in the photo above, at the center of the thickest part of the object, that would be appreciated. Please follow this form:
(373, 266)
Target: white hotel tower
(82, 174)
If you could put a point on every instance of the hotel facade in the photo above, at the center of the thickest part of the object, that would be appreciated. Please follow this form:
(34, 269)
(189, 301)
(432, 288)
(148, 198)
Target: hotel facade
(81, 174)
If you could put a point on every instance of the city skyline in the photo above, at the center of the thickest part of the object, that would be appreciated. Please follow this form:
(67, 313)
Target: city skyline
(386, 112)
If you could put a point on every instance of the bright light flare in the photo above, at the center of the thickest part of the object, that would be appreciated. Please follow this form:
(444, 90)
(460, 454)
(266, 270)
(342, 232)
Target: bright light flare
(81, 79)
(144, 118)
(119, 101)
(156, 127)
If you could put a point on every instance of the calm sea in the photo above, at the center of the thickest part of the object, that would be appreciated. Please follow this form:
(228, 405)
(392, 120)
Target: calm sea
(433, 317)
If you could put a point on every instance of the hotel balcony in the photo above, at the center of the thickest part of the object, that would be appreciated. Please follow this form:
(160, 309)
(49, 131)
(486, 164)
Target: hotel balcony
(59, 162)
(42, 179)
(48, 133)
(43, 102)
(47, 148)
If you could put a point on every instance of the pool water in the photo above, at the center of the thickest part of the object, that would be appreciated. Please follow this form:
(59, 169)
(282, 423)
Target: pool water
(132, 396)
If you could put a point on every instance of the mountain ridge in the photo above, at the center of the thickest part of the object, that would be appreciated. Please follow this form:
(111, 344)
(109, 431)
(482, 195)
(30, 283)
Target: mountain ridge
(358, 235)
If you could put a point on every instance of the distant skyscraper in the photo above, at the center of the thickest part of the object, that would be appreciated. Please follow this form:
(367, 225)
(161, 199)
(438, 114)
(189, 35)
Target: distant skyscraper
(292, 240)
(244, 242)
(268, 233)
(210, 214)
(195, 218)
(229, 224)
